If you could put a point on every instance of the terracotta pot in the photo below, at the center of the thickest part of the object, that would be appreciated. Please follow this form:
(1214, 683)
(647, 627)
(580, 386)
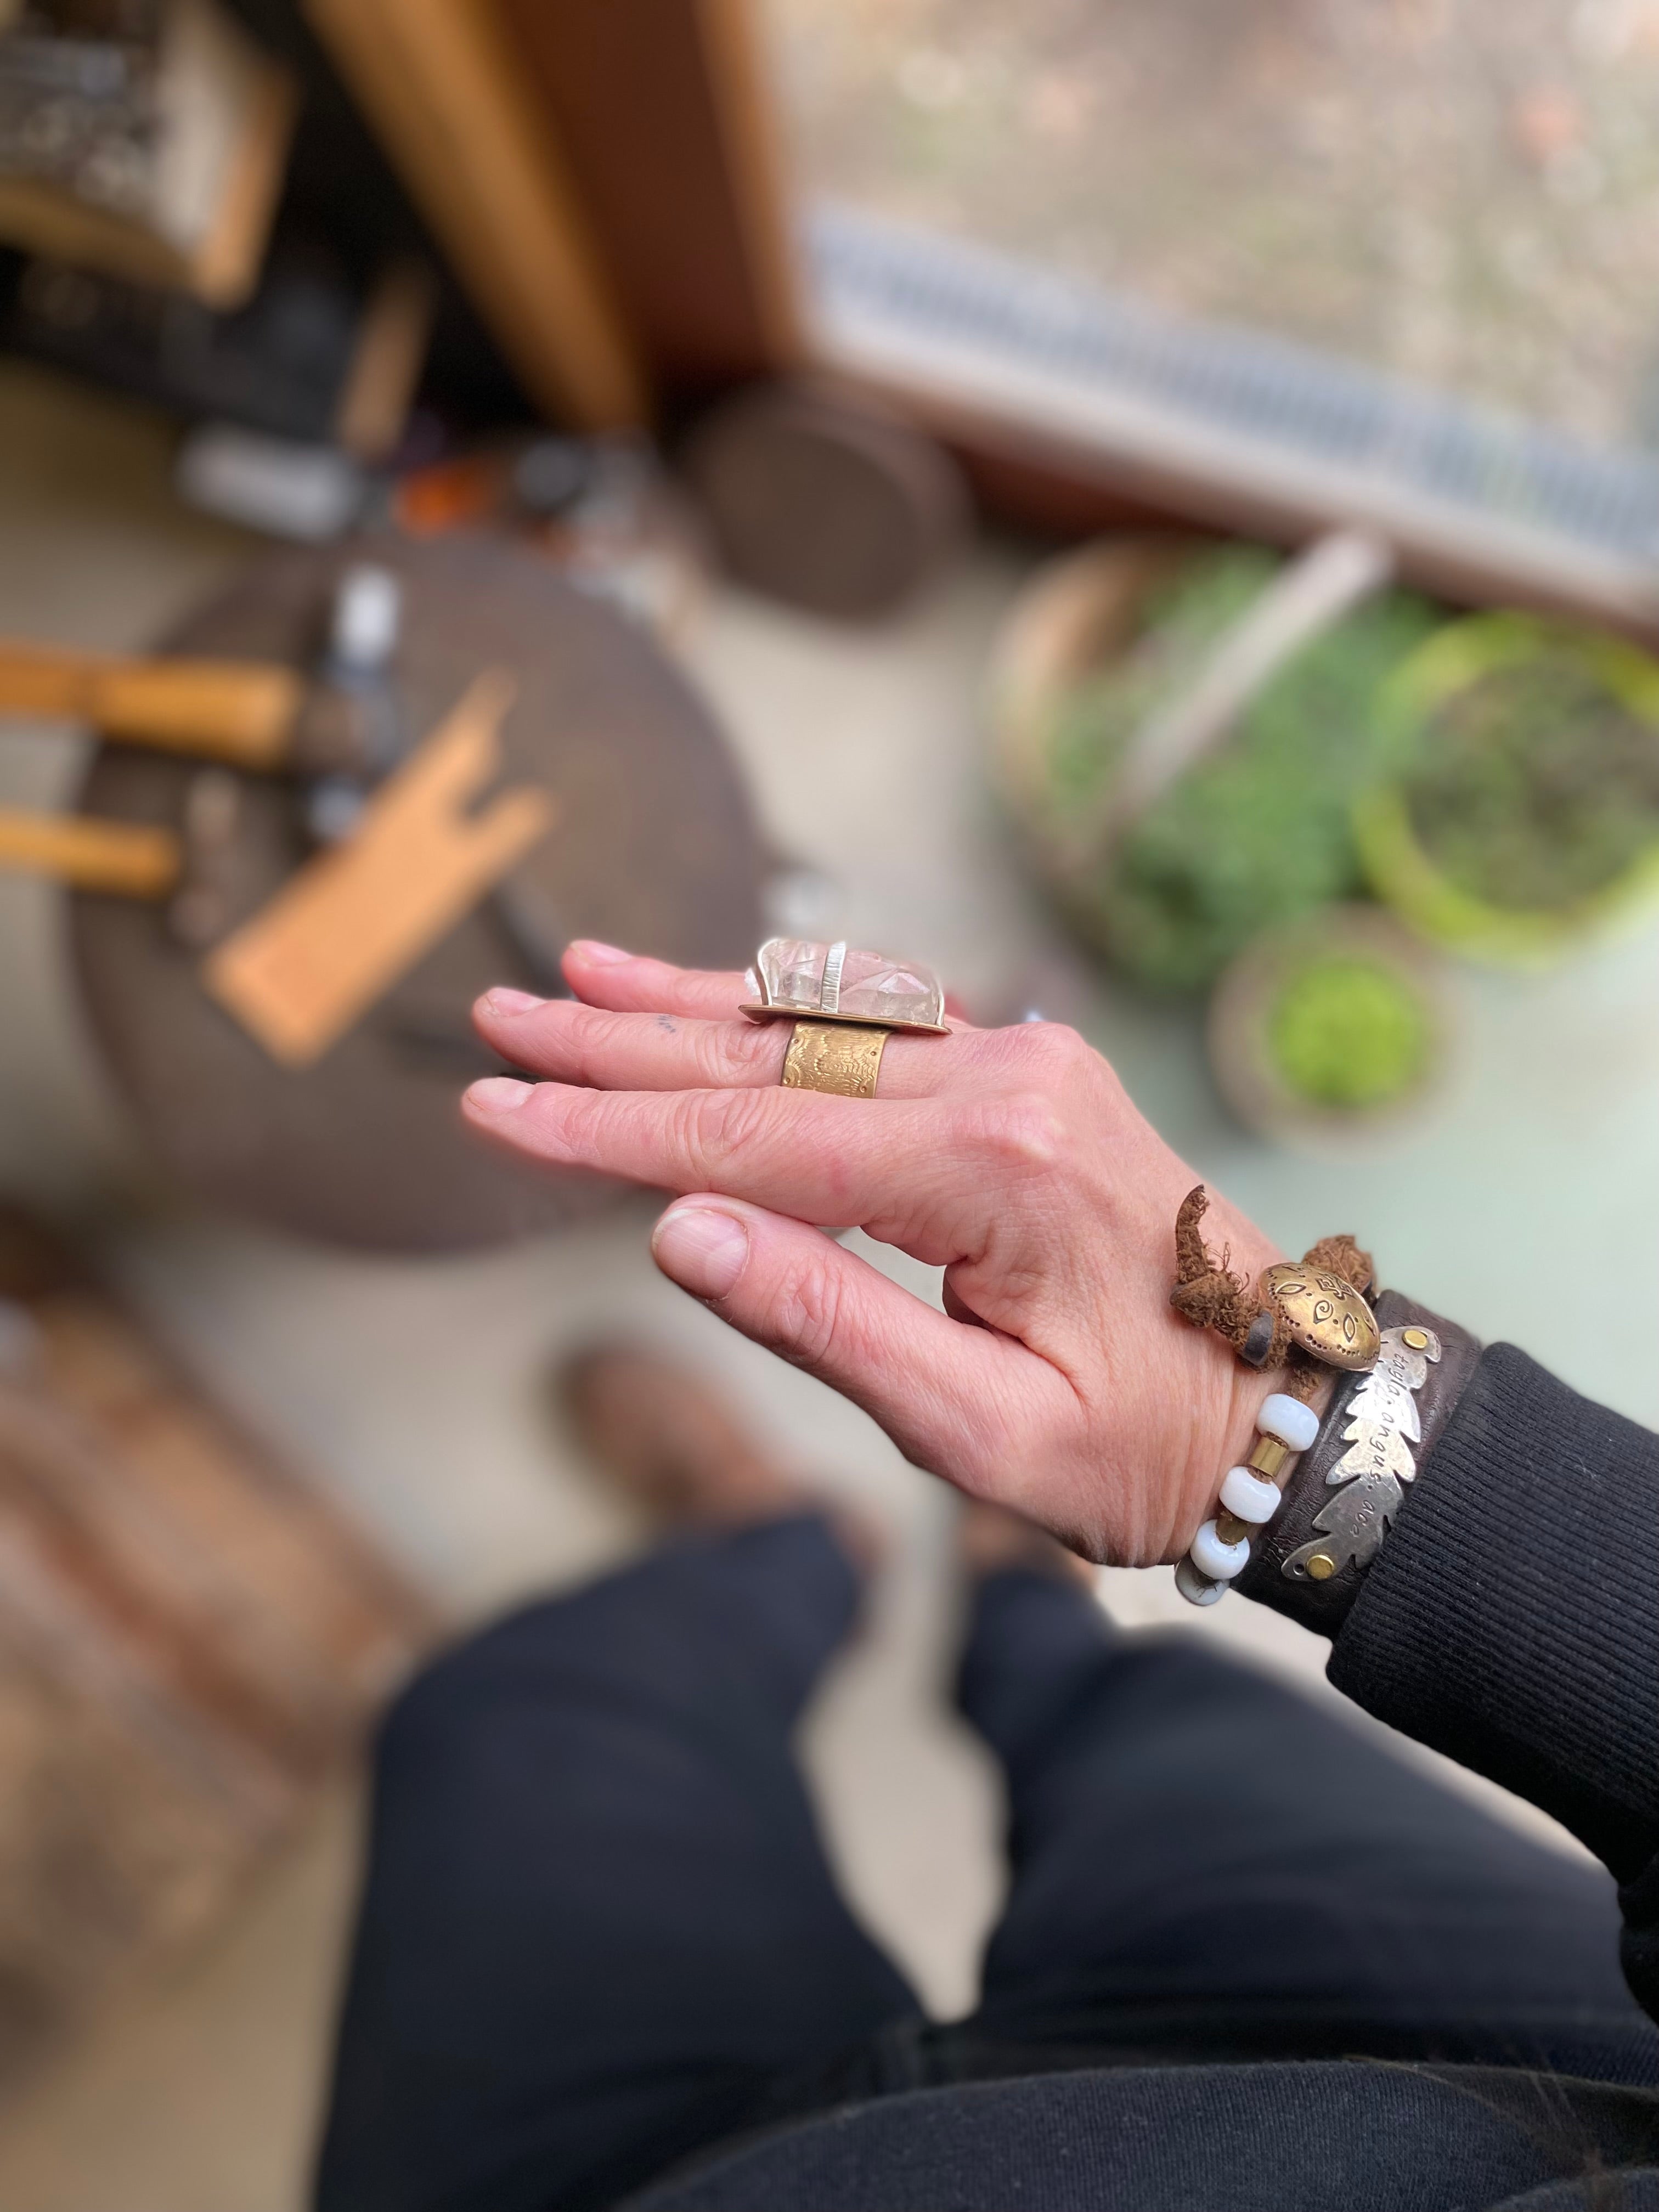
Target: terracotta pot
(1076, 615)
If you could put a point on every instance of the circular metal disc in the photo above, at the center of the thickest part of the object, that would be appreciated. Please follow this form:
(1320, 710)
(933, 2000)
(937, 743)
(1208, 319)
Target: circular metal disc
(1324, 1313)
(838, 509)
(655, 849)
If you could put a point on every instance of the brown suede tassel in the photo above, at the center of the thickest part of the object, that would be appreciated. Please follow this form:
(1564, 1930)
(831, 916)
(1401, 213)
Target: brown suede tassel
(1211, 1296)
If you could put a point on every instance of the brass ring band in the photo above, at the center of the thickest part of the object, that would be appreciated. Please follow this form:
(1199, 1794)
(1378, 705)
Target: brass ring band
(838, 1057)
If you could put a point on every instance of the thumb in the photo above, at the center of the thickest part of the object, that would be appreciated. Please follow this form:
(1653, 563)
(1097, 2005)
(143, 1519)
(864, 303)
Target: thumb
(948, 1396)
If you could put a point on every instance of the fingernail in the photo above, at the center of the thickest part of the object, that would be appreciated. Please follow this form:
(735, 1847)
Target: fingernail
(504, 1000)
(498, 1094)
(598, 955)
(702, 1249)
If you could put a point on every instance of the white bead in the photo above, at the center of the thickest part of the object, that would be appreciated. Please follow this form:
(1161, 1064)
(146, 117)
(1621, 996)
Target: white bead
(1194, 1588)
(1289, 1420)
(1219, 1561)
(1250, 1495)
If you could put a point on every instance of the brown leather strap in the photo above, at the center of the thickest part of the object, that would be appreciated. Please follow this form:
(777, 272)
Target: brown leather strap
(1209, 1295)
(1323, 1606)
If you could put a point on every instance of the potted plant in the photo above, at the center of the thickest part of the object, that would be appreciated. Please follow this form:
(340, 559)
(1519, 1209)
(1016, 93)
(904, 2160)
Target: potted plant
(1258, 829)
(1332, 1027)
(1518, 806)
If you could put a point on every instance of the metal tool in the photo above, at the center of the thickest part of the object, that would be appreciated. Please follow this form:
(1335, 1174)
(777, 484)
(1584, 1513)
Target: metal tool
(341, 733)
(367, 622)
(367, 619)
(248, 714)
(130, 858)
(657, 848)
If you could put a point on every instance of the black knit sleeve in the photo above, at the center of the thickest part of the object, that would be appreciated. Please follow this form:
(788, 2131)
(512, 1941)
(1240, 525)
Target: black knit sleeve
(1511, 1620)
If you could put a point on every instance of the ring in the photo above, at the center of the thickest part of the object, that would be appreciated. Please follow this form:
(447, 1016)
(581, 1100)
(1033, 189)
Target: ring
(834, 1056)
(845, 1003)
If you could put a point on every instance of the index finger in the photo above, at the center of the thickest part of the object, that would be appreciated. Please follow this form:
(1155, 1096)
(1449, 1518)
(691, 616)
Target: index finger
(627, 984)
(620, 982)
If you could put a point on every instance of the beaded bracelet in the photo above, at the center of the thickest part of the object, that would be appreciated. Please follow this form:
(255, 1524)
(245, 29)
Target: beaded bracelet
(1307, 1316)
(1250, 1495)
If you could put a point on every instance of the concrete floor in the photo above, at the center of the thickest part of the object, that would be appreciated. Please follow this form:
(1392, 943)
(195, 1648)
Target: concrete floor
(415, 1390)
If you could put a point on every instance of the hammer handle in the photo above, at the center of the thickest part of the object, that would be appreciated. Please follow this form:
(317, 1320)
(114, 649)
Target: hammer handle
(128, 858)
(242, 712)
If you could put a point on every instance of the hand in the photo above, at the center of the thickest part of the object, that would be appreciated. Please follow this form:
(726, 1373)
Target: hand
(1058, 1379)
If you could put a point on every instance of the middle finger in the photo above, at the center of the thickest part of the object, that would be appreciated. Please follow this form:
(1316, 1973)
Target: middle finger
(604, 1051)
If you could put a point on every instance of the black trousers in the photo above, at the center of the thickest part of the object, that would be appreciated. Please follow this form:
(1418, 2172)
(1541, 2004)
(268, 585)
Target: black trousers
(599, 1931)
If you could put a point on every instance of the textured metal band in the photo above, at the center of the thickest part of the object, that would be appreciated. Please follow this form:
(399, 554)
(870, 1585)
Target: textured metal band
(838, 1057)
(1316, 1486)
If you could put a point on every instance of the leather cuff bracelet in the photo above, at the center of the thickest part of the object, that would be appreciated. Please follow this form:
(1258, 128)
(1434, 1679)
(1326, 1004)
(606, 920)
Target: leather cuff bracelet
(1310, 1561)
(1300, 1521)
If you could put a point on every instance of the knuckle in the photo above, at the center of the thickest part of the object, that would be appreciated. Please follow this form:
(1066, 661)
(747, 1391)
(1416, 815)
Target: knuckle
(739, 1050)
(574, 1121)
(719, 1125)
(606, 1039)
(1046, 1055)
(588, 1040)
(713, 1061)
(807, 1315)
(1024, 1133)
(1056, 1050)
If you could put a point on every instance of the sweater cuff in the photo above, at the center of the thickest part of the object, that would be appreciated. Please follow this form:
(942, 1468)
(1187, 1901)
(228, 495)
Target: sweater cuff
(1511, 1620)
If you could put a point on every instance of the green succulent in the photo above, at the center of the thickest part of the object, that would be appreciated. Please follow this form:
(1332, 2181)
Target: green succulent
(1349, 1032)
(1260, 832)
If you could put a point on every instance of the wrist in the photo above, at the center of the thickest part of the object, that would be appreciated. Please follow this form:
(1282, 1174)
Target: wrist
(1224, 1396)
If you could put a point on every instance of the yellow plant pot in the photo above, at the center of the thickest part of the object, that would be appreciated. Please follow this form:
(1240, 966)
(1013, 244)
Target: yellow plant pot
(1405, 876)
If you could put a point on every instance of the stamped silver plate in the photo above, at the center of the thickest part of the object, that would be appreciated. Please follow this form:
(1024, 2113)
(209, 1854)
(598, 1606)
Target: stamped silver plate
(1382, 1426)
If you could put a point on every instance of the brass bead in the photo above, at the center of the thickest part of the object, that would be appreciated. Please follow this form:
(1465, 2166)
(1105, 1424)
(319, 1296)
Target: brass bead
(1322, 1566)
(1269, 1456)
(1231, 1529)
(1418, 1339)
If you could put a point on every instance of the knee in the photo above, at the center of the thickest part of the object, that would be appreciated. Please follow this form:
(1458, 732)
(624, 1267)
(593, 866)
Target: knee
(1031, 1637)
(445, 1697)
(426, 1710)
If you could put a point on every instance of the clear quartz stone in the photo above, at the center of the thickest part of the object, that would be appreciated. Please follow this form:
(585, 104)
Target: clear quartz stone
(878, 989)
(873, 988)
(793, 968)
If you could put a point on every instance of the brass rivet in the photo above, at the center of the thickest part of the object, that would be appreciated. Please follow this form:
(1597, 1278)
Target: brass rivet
(1417, 1338)
(1322, 1566)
